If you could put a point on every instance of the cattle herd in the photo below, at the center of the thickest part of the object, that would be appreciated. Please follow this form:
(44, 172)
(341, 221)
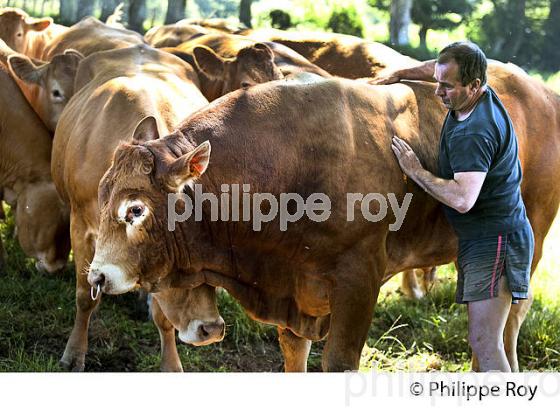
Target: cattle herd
(99, 126)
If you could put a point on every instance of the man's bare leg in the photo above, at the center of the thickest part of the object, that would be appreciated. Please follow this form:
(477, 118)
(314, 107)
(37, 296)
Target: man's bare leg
(487, 320)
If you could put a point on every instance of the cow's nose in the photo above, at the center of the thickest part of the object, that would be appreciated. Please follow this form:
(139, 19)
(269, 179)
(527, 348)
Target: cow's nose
(97, 278)
(212, 331)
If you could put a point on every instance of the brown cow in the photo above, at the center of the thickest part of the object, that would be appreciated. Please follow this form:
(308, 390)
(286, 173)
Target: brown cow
(226, 62)
(27, 35)
(339, 54)
(171, 35)
(116, 89)
(42, 219)
(314, 280)
(49, 84)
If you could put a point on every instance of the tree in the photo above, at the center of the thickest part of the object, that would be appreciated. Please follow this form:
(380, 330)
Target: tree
(550, 50)
(175, 11)
(85, 8)
(280, 19)
(107, 8)
(217, 8)
(507, 33)
(137, 12)
(346, 21)
(400, 20)
(436, 15)
(67, 12)
(245, 12)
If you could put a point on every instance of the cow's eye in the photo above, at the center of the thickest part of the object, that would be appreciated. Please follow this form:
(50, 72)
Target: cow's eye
(245, 84)
(136, 210)
(19, 34)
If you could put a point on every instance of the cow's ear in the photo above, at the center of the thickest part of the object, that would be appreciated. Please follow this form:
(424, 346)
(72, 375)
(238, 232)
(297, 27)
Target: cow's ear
(207, 61)
(188, 167)
(266, 49)
(74, 53)
(26, 70)
(145, 131)
(38, 24)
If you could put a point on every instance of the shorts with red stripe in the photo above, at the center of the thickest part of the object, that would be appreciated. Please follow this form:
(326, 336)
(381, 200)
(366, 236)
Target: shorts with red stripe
(483, 261)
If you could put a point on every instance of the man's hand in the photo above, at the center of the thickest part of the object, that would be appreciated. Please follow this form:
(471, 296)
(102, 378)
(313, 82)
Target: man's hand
(409, 162)
(390, 77)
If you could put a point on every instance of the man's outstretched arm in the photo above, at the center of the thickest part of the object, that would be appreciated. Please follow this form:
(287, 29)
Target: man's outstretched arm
(422, 72)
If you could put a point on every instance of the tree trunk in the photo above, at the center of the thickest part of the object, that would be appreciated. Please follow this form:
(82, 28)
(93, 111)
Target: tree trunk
(85, 8)
(551, 51)
(245, 12)
(175, 11)
(43, 4)
(400, 20)
(518, 35)
(423, 33)
(136, 15)
(67, 12)
(107, 8)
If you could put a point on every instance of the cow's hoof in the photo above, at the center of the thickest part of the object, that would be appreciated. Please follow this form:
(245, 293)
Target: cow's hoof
(72, 363)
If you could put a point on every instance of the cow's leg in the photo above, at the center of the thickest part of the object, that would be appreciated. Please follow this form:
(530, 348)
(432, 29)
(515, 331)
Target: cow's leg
(77, 345)
(352, 301)
(409, 285)
(515, 319)
(428, 278)
(170, 361)
(295, 350)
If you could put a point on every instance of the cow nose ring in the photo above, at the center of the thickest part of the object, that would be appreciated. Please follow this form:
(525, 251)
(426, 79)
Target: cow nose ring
(96, 290)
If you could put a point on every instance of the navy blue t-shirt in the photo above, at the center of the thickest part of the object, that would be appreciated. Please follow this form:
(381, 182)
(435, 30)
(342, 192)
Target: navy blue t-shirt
(484, 142)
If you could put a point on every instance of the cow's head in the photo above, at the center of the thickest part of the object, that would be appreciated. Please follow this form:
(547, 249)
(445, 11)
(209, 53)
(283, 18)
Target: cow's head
(193, 312)
(55, 81)
(43, 225)
(134, 247)
(15, 24)
(253, 65)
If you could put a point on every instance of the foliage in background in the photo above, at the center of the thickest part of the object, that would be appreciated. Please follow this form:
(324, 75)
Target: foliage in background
(439, 15)
(280, 19)
(346, 21)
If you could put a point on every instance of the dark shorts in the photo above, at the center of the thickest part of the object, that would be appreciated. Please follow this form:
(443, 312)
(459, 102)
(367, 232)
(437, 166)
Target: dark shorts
(481, 262)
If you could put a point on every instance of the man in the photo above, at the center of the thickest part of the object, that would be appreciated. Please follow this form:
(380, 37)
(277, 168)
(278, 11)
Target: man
(478, 181)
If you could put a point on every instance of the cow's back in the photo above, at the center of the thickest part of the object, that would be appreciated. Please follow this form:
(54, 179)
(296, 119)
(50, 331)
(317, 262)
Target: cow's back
(341, 55)
(91, 35)
(117, 89)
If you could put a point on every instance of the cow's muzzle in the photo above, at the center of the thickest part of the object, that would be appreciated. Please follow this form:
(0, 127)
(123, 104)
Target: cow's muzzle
(201, 333)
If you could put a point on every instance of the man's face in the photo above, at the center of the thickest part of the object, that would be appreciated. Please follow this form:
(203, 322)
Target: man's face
(454, 95)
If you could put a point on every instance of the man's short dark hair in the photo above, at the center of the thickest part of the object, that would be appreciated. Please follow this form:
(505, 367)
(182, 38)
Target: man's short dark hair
(470, 59)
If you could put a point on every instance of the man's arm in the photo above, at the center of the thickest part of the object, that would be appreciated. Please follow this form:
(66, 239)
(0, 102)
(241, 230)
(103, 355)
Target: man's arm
(422, 72)
(459, 193)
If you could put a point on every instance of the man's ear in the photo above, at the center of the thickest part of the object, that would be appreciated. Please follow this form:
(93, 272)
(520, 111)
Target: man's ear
(35, 24)
(476, 84)
(25, 70)
(188, 167)
(145, 131)
(208, 62)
